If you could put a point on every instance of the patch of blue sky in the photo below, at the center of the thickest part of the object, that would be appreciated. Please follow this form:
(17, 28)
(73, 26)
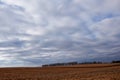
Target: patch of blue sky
(100, 17)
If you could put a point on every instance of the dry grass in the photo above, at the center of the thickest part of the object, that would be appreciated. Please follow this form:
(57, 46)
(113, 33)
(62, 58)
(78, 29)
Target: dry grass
(78, 72)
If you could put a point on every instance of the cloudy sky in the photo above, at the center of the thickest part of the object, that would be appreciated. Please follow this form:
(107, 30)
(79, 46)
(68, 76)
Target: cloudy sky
(36, 32)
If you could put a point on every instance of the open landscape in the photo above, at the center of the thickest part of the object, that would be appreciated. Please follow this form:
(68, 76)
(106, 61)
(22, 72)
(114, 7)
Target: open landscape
(75, 72)
(59, 39)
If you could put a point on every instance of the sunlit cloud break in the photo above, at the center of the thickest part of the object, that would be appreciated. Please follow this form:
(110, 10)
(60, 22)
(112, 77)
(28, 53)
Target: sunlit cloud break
(36, 32)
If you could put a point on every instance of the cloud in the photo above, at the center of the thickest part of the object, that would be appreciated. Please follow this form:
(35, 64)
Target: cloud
(36, 32)
(107, 28)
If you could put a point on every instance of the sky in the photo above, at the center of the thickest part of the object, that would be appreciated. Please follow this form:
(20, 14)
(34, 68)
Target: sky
(36, 32)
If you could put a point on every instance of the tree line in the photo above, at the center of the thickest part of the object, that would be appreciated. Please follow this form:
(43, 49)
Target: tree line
(60, 64)
(116, 61)
(75, 63)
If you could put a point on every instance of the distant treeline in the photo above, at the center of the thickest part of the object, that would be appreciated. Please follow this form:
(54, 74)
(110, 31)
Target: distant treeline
(60, 64)
(75, 63)
(116, 61)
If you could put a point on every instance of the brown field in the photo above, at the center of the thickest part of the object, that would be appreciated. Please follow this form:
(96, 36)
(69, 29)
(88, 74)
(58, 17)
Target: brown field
(76, 72)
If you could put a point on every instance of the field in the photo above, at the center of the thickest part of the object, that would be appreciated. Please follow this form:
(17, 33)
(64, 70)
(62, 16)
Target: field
(76, 72)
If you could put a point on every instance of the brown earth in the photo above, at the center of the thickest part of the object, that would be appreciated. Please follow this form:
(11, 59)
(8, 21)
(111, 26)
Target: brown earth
(76, 72)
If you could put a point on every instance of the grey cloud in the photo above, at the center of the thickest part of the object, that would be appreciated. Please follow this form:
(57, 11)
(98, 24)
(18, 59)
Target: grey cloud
(58, 31)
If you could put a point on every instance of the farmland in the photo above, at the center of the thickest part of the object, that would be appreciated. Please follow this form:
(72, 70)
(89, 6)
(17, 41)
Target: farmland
(75, 72)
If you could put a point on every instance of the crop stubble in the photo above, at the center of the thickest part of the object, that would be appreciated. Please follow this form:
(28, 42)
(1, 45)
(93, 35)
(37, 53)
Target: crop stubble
(77, 72)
